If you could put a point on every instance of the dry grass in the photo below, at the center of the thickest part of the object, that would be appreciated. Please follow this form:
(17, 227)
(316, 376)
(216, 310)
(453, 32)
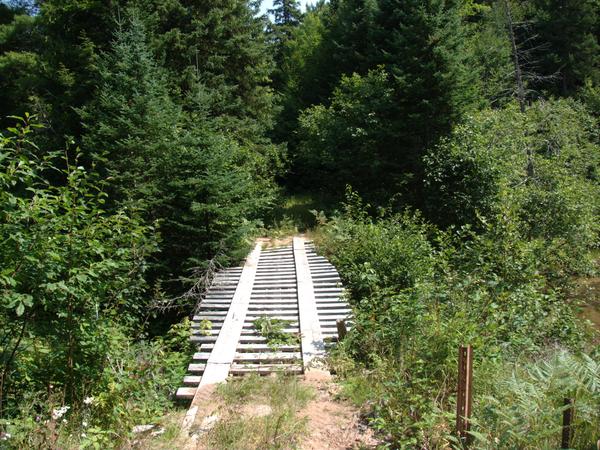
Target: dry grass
(259, 413)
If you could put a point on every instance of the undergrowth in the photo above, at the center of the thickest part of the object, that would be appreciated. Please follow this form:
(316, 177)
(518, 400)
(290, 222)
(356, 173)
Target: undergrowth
(419, 293)
(273, 330)
(260, 413)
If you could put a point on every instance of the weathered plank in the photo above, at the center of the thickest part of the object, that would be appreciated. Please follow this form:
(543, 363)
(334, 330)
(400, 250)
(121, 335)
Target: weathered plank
(310, 328)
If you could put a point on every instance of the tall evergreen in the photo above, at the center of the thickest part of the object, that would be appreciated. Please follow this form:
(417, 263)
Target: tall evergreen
(286, 17)
(202, 188)
(286, 12)
(421, 44)
(568, 43)
(132, 116)
(217, 55)
(428, 87)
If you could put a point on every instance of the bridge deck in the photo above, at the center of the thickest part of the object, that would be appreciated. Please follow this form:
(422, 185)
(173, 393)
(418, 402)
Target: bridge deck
(290, 283)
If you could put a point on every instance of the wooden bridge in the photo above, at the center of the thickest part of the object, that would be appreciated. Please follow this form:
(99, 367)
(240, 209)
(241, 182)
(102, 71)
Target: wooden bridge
(292, 285)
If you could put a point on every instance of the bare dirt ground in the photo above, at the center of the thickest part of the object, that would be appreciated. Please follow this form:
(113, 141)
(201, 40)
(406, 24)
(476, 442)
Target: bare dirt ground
(333, 424)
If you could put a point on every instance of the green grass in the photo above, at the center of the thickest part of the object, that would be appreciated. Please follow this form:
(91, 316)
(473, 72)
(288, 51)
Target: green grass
(280, 428)
(296, 213)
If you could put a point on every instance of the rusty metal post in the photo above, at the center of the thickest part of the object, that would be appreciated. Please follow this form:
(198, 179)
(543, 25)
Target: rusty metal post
(567, 430)
(464, 395)
(341, 329)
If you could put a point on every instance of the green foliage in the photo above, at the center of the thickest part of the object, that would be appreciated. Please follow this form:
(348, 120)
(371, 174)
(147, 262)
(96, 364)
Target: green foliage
(489, 47)
(217, 56)
(542, 164)
(340, 143)
(74, 295)
(590, 95)
(567, 32)
(19, 66)
(415, 302)
(525, 403)
(135, 388)
(273, 330)
(206, 190)
(68, 268)
(409, 85)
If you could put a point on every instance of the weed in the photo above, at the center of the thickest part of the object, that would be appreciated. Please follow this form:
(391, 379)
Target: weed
(273, 331)
(277, 427)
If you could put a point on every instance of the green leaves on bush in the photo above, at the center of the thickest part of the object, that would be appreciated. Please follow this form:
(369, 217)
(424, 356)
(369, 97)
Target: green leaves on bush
(71, 272)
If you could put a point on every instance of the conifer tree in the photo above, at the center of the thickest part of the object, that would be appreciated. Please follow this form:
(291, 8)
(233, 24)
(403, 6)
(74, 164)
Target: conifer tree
(217, 50)
(204, 189)
(287, 16)
(420, 42)
(132, 116)
(286, 12)
(568, 42)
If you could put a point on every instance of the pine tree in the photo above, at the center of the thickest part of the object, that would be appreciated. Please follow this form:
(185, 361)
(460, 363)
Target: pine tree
(217, 55)
(568, 43)
(286, 12)
(287, 16)
(204, 189)
(420, 43)
(132, 116)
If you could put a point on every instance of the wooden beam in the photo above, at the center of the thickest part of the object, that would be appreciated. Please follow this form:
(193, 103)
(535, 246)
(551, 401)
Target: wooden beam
(464, 396)
(220, 359)
(313, 346)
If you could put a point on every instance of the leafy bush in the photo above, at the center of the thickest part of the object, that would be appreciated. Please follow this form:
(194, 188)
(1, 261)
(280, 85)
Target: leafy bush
(419, 294)
(542, 164)
(74, 298)
(135, 388)
(70, 272)
(342, 143)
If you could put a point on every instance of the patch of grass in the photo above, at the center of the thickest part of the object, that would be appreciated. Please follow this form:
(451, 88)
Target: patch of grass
(273, 331)
(276, 427)
(296, 213)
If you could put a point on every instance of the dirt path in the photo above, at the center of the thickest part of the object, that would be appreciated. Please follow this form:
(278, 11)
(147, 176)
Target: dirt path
(248, 416)
(333, 424)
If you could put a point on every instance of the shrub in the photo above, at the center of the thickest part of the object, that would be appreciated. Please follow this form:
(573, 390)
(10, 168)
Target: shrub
(74, 298)
(417, 299)
(542, 163)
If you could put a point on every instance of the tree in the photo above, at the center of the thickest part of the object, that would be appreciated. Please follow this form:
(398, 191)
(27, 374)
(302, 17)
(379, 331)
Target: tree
(418, 48)
(421, 45)
(569, 31)
(287, 17)
(132, 116)
(286, 12)
(482, 168)
(217, 56)
(342, 143)
(203, 188)
(73, 274)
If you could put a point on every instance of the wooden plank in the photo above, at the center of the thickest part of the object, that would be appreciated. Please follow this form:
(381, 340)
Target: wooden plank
(312, 339)
(221, 358)
(240, 369)
(217, 367)
(256, 347)
(196, 368)
(464, 396)
(185, 393)
(192, 380)
(268, 356)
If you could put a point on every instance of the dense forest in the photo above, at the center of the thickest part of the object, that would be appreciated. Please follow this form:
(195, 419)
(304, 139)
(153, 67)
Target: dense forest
(450, 150)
